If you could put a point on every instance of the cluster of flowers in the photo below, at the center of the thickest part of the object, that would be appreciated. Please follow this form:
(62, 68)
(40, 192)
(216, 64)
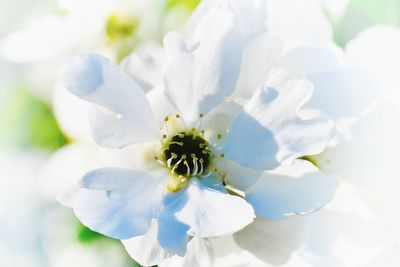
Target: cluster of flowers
(230, 136)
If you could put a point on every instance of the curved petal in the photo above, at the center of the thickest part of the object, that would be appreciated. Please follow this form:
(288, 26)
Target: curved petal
(145, 249)
(369, 159)
(160, 104)
(119, 203)
(297, 189)
(199, 75)
(260, 55)
(298, 22)
(73, 121)
(208, 211)
(236, 175)
(97, 80)
(260, 50)
(274, 241)
(145, 65)
(271, 129)
(306, 60)
(172, 234)
(199, 254)
(347, 232)
(252, 15)
(137, 156)
(216, 122)
(377, 49)
(343, 94)
(59, 179)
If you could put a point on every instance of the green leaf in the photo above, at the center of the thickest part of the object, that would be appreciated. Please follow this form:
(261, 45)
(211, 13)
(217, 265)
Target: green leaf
(85, 235)
(29, 122)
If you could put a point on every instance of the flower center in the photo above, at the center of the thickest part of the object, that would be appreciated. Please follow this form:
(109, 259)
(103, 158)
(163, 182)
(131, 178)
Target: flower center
(187, 154)
(119, 26)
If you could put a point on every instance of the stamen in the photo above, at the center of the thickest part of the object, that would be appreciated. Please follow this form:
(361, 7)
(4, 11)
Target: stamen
(196, 167)
(201, 166)
(177, 164)
(177, 143)
(182, 178)
(169, 162)
(187, 153)
(206, 152)
(188, 168)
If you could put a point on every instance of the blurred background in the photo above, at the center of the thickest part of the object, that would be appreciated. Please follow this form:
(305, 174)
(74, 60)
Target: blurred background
(37, 139)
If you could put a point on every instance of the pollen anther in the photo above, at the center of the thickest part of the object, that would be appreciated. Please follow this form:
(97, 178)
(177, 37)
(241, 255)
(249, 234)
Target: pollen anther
(187, 154)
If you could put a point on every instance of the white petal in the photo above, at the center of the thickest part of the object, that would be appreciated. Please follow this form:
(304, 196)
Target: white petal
(145, 249)
(65, 168)
(271, 130)
(199, 254)
(298, 21)
(207, 211)
(97, 80)
(302, 61)
(200, 74)
(369, 159)
(113, 131)
(377, 49)
(252, 14)
(137, 156)
(236, 175)
(119, 203)
(228, 254)
(260, 51)
(216, 122)
(297, 189)
(260, 54)
(347, 232)
(172, 234)
(145, 65)
(273, 241)
(343, 94)
(73, 121)
(160, 104)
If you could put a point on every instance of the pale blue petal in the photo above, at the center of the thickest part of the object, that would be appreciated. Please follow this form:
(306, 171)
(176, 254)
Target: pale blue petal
(172, 234)
(297, 189)
(272, 130)
(119, 203)
(202, 71)
(96, 79)
(208, 211)
(145, 249)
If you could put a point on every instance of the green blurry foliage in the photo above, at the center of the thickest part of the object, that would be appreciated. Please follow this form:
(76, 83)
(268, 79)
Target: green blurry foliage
(28, 122)
(362, 14)
(87, 236)
(120, 29)
(190, 5)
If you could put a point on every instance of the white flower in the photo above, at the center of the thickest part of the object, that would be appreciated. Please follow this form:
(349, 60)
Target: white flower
(190, 148)
(110, 27)
(377, 50)
(367, 158)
